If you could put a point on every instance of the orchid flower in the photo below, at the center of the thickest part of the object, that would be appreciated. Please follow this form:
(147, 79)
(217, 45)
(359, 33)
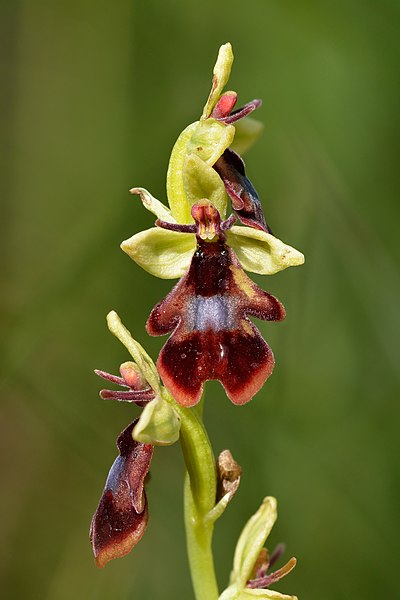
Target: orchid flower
(203, 165)
(121, 517)
(207, 312)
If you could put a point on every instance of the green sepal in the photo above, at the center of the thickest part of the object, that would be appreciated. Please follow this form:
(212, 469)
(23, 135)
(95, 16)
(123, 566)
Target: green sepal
(247, 132)
(159, 424)
(252, 539)
(261, 252)
(202, 181)
(248, 594)
(206, 139)
(180, 207)
(153, 205)
(235, 593)
(163, 253)
(138, 353)
(221, 73)
(210, 139)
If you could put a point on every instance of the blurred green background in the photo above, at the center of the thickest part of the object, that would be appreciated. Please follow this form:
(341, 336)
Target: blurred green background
(94, 95)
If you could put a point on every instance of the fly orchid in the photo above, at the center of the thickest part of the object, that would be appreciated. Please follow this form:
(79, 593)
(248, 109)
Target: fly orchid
(207, 314)
(121, 517)
(207, 311)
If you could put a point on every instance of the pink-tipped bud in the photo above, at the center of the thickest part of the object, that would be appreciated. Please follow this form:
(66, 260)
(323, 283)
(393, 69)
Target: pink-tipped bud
(224, 105)
(132, 376)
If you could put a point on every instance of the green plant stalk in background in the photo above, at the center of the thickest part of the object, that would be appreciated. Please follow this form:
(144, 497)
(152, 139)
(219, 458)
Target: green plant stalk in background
(200, 487)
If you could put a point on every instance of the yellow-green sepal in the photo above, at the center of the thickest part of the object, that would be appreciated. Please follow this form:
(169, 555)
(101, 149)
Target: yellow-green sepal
(221, 73)
(206, 139)
(202, 181)
(247, 132)
(138, 353)
(234, 593)
(153, 205)
(252, 539)
(165, 254)
(178, 202)
(260, 252)
(210, 139)
(159, 424)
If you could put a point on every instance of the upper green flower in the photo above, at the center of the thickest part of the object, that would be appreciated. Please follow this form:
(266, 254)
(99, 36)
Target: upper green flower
(203, 165)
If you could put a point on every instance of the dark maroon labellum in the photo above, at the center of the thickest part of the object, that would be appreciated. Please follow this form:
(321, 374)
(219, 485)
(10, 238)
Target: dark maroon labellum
(212, 335)
(121, 516)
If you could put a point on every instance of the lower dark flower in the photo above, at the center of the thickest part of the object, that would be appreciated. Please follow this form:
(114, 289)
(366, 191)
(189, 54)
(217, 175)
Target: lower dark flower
(121, 516)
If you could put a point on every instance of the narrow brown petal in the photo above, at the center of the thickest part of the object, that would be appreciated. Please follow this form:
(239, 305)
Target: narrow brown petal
(121, 516)
(240, 113)
(265, 582)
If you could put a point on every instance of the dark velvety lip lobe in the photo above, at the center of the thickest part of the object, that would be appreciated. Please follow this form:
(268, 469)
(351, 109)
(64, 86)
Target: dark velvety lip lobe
(212, 338)
(121, 516)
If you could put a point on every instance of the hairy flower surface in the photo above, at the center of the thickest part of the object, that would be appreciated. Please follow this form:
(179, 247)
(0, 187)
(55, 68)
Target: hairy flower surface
(207, 312)
(121, 516)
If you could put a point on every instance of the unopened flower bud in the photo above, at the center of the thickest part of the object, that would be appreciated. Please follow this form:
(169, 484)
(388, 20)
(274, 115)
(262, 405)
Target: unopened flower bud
(132, 375)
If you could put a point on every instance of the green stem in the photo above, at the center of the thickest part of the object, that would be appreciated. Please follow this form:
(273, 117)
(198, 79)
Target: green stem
(199, 498)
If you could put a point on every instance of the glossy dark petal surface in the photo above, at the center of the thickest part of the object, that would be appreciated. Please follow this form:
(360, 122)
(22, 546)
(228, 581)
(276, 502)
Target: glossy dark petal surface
(212, 335)
(243, 195)
(121, 516)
